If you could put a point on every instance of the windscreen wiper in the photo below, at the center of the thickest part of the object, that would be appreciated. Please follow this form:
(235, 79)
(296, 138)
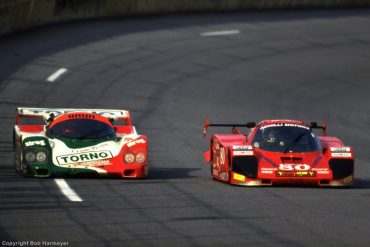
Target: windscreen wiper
(296, 140)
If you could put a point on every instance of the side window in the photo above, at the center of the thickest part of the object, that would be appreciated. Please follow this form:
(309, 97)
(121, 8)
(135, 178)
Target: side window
(38, 120)
(119, 122)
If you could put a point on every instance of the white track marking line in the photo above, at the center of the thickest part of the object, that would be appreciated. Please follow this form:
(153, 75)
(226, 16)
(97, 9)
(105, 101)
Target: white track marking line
(219, 33)
(67, 191)
(56, 74)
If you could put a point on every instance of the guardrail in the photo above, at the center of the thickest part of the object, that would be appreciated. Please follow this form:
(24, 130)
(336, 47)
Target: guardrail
(22, 14)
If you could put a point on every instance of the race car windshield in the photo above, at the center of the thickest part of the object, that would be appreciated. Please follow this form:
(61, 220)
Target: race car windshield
(286, 139)
(82, 129)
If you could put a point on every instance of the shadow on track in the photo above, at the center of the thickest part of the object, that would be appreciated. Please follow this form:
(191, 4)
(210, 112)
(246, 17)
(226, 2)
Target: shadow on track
(8, 171)
(362, 183)
(171, 173)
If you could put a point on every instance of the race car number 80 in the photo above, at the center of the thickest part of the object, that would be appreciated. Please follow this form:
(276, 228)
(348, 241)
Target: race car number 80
(291, 167)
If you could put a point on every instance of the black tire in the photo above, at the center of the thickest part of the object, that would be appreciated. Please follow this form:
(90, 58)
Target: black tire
(23, 169)
(211, 170)
(17, 158)
(229, 175)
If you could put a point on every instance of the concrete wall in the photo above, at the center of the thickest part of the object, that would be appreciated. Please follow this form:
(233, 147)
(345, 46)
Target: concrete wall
(21, 14)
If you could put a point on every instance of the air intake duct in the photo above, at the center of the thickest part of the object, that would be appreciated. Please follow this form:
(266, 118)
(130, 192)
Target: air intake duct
(246, 165)
(341, 168)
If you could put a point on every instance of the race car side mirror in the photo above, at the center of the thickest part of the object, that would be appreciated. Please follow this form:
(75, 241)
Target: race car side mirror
(313, 125)
(51, 118)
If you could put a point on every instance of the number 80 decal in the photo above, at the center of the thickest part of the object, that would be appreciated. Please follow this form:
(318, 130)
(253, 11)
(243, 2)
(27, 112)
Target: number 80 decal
(291, 167)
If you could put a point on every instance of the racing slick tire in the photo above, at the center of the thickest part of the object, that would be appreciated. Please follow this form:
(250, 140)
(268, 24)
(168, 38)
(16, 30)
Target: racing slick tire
(229, 175)
(17, 158)
(211, 170)
(16, 166)
(23, 169)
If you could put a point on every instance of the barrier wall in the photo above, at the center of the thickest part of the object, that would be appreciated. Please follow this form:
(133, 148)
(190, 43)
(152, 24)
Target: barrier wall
(21, 14)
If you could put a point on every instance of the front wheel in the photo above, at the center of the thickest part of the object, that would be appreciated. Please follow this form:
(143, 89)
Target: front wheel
(23, 168)
(229, 175)
(211, 170)
(17, 157)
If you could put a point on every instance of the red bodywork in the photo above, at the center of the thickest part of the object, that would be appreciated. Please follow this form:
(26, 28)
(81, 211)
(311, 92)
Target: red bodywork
(236, 160)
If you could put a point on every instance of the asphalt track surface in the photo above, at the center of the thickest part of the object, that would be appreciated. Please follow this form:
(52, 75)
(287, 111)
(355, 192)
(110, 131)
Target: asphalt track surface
(308, 65)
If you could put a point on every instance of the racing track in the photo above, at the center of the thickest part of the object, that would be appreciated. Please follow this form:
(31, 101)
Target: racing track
(309, 65)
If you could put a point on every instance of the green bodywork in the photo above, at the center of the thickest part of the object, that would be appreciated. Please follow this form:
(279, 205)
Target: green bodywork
(47, 168)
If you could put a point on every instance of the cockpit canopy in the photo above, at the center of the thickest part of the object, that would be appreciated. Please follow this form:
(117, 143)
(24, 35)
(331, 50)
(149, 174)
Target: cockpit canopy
(82, 128)
(286, 138)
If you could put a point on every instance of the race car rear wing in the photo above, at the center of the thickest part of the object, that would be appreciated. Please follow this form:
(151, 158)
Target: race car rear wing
(314, 125)
(207, 124)
(46, 113)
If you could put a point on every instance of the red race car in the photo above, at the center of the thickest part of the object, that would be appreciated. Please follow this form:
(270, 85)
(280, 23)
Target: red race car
(281, 152)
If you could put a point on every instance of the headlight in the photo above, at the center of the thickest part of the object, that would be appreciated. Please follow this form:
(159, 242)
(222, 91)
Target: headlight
(140, 158)
(30, 157)
(129, 158)
(41, 156)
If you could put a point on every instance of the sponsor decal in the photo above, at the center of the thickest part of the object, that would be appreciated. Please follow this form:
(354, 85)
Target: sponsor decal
(341, 155)
(321, 170)
(83, 157)
(216, 165)
(238, 177)
(297, 125)
(296, 174)
(97, 163)
(56, 111)
(271, 125)
(222, 155)
(90, 149)
(35, 143)
(128, 139)
(268, 170)
(130, 144)
(242, 148)
(284, 125)
(215, 172)
(340, 149)
(243, 153)
(341, 152)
